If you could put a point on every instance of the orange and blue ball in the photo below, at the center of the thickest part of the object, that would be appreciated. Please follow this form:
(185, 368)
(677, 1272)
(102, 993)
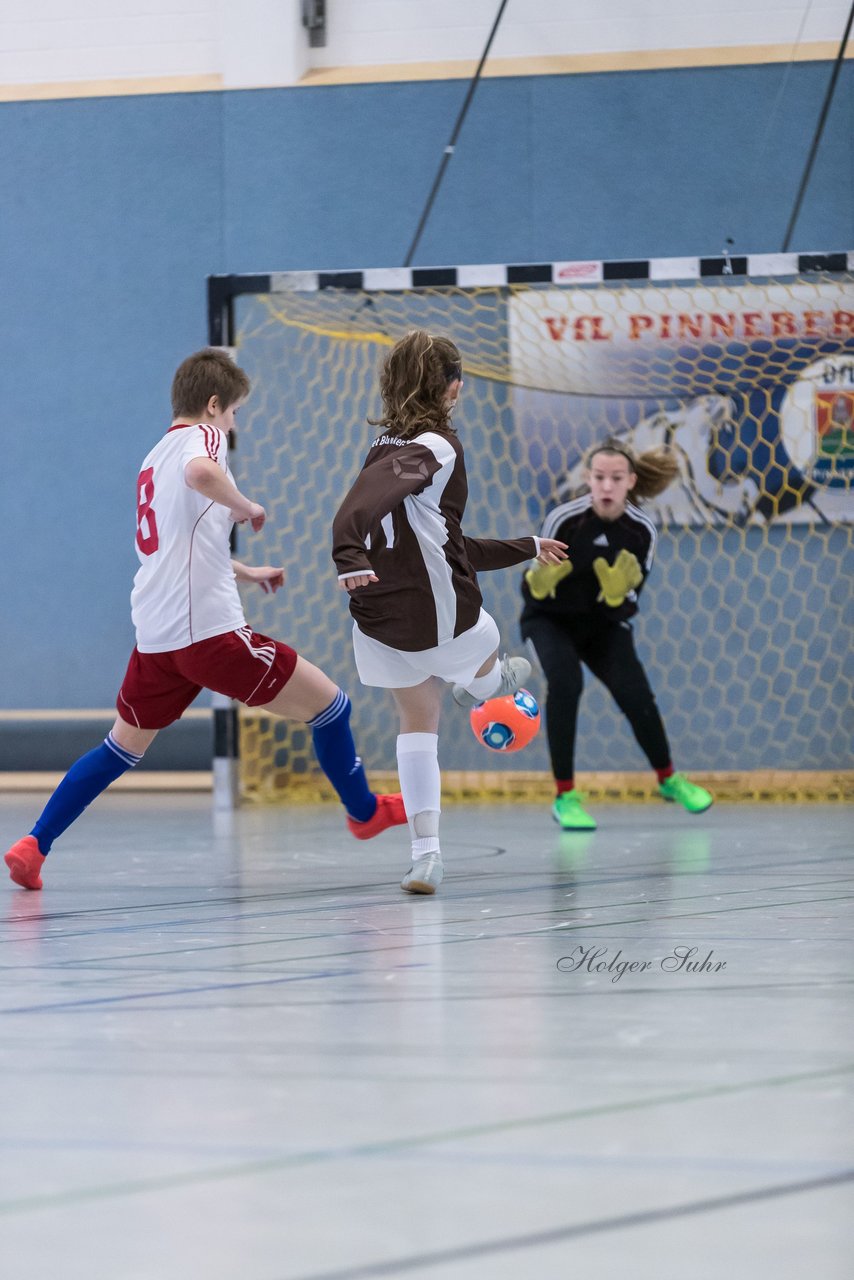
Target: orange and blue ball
(506, 724)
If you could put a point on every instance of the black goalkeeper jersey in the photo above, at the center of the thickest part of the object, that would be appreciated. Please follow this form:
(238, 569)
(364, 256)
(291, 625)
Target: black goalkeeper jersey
(587, 537)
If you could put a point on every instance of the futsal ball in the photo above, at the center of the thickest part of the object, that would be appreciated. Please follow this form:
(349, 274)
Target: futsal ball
(508, 723)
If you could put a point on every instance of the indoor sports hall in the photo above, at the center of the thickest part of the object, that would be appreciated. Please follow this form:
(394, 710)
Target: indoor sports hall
(615, 1037)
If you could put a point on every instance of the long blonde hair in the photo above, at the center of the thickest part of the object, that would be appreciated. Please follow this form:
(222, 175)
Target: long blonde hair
(655, 468)
(414, 384)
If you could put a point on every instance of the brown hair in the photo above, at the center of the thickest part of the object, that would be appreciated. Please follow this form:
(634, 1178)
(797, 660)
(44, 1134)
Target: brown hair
(655, 469)
(414, 381)
(207, 373)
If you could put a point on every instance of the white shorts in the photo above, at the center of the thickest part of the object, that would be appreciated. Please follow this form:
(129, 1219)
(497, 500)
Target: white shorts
(456, 661)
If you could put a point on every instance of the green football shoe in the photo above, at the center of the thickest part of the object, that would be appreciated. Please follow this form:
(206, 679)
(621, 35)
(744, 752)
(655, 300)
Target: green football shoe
(570, 813)
(685, 792)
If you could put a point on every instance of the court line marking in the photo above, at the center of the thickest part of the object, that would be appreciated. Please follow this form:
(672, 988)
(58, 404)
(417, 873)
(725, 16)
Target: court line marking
(254, 1168)
(556, 1235)
(605, 991)
(287, 912)
(407, 946)
(603, 877)
(131, 997)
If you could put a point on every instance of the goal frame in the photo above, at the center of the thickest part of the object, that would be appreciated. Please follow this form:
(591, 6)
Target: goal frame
(223, 291)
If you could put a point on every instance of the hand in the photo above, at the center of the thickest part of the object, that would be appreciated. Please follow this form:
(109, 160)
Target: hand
(543, 580)
(269, 579)
(551, 552)
(256, 516)
(354, 580)
(617, 580)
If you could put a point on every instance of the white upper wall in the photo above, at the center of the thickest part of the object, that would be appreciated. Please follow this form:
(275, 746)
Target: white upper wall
(362, 32)
(45, 40)
(255, 42)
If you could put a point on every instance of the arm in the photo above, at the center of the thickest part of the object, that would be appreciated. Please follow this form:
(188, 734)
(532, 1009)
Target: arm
(268, 577)
(208, 478)
(500, 553)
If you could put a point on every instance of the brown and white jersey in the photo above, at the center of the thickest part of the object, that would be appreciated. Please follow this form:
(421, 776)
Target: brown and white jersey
(402, 521)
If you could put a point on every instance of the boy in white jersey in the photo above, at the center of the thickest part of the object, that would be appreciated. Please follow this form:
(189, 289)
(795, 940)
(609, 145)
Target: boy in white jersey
(190, 628)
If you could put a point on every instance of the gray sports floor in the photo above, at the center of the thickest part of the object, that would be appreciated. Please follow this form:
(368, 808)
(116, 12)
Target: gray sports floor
(232, 1049)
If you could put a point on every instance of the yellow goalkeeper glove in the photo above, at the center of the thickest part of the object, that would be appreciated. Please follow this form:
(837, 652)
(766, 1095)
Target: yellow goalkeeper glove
(542, 580)
(618, 579)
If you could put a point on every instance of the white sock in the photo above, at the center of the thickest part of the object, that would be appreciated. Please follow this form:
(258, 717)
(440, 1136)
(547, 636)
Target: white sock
(421, 788)
(483, 687)
(425, 833)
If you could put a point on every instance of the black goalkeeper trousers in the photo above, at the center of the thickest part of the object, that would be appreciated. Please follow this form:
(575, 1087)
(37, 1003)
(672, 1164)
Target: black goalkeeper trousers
(608, 650)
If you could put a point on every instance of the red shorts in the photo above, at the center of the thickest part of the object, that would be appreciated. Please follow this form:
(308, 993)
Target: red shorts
(158, 687)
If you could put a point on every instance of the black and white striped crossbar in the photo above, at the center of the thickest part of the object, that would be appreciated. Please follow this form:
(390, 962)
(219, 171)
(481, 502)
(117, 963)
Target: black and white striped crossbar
(223, 289)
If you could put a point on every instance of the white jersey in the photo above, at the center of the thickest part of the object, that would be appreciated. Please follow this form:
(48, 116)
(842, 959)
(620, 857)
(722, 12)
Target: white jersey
(184, 590)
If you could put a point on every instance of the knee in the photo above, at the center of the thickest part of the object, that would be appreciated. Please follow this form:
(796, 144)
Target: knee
(337, 709)
(563, 684)
(635, 699)
(487, 666)
(562, 670)
(131, 738)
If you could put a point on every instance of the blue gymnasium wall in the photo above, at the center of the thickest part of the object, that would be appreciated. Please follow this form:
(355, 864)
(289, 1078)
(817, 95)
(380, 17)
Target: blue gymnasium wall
(114, 211)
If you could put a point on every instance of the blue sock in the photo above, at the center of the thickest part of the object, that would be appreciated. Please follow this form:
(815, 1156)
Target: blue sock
(336, 754)
(86, 779)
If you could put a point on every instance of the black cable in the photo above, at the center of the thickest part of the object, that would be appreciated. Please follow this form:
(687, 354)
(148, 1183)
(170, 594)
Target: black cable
(449, 149)
(828, 98)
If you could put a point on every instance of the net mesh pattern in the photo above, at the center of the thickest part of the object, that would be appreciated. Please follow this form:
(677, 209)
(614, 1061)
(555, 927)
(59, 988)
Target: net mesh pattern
(743, 622)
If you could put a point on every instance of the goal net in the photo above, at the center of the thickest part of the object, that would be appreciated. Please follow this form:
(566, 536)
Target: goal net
(751, 381)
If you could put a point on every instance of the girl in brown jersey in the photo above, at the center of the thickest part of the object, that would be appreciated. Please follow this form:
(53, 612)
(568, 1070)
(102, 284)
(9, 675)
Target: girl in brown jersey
(580, 611)
(411, 573)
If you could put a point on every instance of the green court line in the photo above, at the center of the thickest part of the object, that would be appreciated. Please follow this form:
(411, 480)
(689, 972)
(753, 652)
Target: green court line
(275, 1164)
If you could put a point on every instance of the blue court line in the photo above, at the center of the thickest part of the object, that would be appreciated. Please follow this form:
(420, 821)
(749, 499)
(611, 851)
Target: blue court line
(410, 946)
(196, 922)
(177, 991)
(603, 877)
(607, 990)
(572, 927)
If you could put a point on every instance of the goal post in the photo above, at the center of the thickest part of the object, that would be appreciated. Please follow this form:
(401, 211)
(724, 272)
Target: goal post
(744, 367)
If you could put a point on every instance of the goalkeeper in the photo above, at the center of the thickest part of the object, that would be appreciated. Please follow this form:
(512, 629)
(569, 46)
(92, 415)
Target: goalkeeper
(579, 611)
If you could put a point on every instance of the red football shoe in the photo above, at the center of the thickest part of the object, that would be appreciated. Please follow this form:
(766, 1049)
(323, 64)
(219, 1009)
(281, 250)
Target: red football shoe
(389, 813)
(25, 861)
